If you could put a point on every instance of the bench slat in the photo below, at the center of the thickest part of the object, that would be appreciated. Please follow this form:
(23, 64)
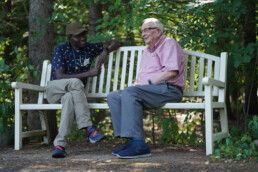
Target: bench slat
(209, 68)
(138, 62)
(94, 84)
(34, 133)
(131, 67)
(203, 55)
(192, 73)
(200, 76)
(105, 106)
(186, 71)
(117, 69)
(220, 135)
(122, 84)
(101, 80)
(216, 75)
(109, 72)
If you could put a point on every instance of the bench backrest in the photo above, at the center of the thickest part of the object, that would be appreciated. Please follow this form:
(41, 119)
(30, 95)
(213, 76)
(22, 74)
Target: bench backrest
(123, 65)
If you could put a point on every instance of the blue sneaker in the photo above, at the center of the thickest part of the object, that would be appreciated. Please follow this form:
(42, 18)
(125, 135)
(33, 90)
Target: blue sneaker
(137, 149)
(94, 136)
(116, 151)
(59, 152)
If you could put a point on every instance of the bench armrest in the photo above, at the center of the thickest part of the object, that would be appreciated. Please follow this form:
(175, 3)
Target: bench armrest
(215, 82)
(19, 85)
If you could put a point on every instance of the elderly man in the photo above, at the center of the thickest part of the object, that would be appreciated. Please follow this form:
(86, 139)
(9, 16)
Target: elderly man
(70, 70)
(160, 80)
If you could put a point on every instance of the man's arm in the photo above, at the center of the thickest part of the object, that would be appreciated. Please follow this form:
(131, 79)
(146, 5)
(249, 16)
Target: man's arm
(164, 76)
(112, 45)
(107, 47)
(60, 74)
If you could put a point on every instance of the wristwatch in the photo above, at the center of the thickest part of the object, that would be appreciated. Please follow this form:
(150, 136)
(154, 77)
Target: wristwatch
(107, 49)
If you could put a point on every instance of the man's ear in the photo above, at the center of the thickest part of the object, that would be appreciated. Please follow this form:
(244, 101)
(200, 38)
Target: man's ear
(159, 31)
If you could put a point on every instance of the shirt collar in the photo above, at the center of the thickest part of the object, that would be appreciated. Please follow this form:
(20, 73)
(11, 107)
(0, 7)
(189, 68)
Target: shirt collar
(161, 39)
(69, 46)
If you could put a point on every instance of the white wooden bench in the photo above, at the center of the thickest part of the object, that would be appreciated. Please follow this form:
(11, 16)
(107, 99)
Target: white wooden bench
(205, 77)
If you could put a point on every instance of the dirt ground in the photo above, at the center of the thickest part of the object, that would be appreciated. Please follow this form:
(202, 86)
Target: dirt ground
(84, 156)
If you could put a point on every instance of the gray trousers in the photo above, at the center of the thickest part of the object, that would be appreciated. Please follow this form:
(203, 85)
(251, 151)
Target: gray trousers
(71, 94)
(126, 106)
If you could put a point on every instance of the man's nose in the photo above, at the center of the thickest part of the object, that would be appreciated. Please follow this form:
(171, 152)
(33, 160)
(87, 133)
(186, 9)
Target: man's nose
(143, 33)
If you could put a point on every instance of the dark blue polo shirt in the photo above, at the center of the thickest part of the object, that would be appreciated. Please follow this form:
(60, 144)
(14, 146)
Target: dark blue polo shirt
(74, 61)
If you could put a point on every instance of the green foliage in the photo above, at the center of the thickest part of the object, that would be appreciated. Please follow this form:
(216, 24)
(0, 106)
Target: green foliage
(239, 145)
(18, 71)
(206, 26)
(6, 100)
(76, 134)
(176, 133)
(122, 19)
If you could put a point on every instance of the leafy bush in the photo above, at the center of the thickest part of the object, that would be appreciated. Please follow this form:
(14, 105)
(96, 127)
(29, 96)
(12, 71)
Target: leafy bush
(16, 70)
(6, 106)
(240, 144)
(179, 133)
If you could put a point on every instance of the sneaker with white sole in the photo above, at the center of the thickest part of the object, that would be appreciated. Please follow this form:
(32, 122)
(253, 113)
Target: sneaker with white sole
(116, 151)
(136, 149)
(94, 136)
(59, 152)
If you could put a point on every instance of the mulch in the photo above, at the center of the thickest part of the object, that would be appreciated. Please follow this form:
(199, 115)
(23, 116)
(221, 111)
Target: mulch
(84, 156)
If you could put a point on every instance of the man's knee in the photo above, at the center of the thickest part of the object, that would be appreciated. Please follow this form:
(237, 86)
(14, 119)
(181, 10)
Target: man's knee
(76, 84)
(132, 91)
(113, 96)
(110, 96)
(67, 97)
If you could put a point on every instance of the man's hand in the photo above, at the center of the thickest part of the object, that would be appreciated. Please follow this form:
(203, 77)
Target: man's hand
(140, 83)
(94, 71)
(112, 46)
(115, 44)
(102, 59)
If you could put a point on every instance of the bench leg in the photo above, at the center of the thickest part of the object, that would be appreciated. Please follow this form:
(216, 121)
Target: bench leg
(224, 120)
(18, 121)
(209, 120)
(44, 126)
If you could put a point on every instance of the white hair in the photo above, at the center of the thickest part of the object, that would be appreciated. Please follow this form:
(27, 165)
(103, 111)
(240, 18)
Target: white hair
(155, 21)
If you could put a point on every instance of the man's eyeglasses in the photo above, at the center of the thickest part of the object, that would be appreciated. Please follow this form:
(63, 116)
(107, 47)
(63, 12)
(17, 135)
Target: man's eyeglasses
(148, 29)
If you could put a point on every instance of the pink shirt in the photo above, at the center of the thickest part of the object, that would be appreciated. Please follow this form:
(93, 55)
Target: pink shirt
(166, 55)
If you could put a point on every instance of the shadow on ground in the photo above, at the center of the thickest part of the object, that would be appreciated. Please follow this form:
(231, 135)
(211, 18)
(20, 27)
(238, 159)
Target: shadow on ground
(84, 156)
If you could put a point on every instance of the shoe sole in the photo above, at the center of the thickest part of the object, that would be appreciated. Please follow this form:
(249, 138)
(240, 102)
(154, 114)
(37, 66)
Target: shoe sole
(94, 141)
(136, 156)
(59, 156)
(115, 154)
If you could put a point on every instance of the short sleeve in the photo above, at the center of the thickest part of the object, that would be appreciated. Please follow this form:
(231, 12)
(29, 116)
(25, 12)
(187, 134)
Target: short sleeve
(58, 59)
(94, 49)
(170, 59)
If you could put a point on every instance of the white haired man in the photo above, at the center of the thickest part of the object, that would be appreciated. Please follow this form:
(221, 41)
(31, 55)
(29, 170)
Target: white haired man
(160, 80)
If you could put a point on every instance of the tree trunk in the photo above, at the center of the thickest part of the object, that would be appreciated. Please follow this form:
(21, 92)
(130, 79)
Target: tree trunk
(94, 14)
(7, 33)
(130, 35)
(41, 46)
(251, 68)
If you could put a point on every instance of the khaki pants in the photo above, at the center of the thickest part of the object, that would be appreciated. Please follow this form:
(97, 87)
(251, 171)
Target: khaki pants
(71, 94)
